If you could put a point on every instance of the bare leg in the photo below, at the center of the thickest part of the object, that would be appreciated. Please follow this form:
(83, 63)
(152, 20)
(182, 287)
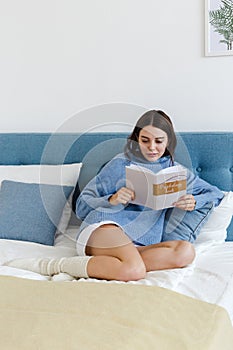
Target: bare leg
(114, 256)
(167, 255)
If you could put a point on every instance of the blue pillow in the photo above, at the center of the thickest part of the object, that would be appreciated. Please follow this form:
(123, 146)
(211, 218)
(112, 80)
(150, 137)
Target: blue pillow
(185, 225)
(31, 212)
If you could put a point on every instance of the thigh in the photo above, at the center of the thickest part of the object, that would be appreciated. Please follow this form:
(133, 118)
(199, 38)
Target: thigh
(167, 255)
(110, 240)
(165, 244)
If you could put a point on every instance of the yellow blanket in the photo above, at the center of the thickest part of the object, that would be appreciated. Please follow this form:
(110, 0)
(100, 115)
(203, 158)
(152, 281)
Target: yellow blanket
(87, 315)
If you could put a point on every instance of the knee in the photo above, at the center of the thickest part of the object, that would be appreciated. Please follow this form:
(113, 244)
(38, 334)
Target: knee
(131, 272)
(184, 254)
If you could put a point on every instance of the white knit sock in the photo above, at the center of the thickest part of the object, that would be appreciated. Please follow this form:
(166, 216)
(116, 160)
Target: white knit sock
(30, 264)
(75, 266)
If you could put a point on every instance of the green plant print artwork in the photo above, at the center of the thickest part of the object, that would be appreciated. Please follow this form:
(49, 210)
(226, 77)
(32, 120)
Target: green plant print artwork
(221, 20)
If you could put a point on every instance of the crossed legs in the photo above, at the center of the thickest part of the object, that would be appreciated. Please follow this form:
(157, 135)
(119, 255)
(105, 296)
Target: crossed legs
(114, 256)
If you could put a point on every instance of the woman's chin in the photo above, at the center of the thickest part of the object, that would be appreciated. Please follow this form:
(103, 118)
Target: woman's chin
(151, 158)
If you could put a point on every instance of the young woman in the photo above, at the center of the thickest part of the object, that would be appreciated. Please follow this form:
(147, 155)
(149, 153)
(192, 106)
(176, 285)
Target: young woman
(119, 240)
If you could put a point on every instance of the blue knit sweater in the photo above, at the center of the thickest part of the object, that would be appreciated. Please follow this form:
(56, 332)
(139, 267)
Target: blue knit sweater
(143, 225)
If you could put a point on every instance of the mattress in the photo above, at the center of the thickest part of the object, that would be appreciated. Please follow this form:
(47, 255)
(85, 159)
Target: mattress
(209, 278)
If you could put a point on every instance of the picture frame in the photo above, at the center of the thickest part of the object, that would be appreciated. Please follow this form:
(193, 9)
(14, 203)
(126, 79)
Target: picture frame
(218, 27)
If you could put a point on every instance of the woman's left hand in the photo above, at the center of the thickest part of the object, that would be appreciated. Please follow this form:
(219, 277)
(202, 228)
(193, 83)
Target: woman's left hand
(186, 202)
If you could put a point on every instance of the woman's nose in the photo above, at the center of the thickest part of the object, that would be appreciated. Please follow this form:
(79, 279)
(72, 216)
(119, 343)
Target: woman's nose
(152, 145)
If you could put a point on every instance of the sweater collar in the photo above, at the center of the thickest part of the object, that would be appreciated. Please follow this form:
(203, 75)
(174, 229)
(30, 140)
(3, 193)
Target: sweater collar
(143, 161)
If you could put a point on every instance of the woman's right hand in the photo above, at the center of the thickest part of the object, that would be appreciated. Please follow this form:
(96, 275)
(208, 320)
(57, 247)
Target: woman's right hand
(122, 196)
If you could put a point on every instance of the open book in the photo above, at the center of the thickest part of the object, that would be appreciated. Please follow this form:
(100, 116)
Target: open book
(156, 191)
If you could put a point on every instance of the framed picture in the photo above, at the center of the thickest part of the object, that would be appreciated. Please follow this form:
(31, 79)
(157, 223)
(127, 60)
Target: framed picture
(218, 27)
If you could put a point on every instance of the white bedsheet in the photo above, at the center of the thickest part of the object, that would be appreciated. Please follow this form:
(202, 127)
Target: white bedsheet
(212, 277)
(209, 278)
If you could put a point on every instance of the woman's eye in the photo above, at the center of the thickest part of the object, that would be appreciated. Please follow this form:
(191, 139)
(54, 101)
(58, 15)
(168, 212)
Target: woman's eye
(156, 141)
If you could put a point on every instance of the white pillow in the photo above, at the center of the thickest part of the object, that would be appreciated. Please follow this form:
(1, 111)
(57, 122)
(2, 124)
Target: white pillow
(215, 229)
(64, 175)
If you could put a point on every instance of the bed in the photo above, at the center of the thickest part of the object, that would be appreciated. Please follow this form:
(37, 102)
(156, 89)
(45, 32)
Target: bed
(189, 308)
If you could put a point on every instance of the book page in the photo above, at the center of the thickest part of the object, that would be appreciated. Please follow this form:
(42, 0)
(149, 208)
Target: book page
(156, 191)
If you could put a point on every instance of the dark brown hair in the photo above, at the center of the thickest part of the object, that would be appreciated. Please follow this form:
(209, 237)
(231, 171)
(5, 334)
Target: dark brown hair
(158, 119)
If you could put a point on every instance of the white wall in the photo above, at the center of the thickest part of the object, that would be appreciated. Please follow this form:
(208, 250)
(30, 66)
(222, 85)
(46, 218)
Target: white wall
(101, 62)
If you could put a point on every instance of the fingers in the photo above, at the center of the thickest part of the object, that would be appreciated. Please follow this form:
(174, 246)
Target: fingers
(186, 202)
(123, 196)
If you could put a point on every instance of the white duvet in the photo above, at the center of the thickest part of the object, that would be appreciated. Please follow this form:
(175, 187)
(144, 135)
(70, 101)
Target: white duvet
(209, 278)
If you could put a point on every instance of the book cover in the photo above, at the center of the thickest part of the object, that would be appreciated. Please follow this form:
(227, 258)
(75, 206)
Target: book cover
(156, 190)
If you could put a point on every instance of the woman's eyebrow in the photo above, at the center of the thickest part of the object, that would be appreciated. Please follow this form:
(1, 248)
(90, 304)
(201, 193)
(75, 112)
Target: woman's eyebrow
(156, 138)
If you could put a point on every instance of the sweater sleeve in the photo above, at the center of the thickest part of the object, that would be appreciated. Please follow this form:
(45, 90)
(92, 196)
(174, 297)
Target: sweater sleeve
(97, 192)
(202, 191)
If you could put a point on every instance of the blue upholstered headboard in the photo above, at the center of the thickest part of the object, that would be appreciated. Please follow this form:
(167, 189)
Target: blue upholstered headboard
(209, 154)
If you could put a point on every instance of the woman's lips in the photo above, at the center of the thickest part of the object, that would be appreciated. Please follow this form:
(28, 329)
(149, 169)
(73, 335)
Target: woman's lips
(151, 154)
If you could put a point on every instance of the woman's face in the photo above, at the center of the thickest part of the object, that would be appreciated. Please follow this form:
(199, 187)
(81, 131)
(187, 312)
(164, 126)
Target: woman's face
(152, 142)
